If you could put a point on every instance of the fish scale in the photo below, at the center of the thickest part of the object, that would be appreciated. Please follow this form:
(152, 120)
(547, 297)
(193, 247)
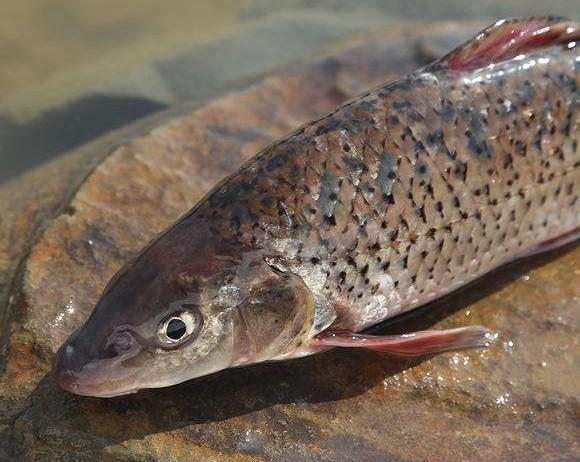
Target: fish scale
(398, 197)
(428, 183)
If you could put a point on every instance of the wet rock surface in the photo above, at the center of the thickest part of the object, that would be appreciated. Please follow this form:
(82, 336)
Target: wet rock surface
(518, 400)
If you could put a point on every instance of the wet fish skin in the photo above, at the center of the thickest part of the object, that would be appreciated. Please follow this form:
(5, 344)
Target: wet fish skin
(417, 188)
(395, 199)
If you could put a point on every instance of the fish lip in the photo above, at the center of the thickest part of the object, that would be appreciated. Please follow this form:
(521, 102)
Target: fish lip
(73, 382)
(80, 381)
(114, 395)
(97, 392)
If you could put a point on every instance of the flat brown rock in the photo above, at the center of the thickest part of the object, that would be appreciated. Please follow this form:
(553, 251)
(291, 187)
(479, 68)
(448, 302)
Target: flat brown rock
(515, 401)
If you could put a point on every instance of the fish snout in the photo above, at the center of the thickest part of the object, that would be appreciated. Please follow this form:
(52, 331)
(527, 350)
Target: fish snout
(67, 366)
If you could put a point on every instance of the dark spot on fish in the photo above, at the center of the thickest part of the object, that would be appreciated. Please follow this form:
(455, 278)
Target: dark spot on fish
(331, 220)
(421, 169)
(405, 262)
(479, 147)
(447, 111)
(421, 213)
(327, 125)
(508, 161)
(461, 170)
(277, 161)
(415, 116)
(353, 245)
(388, 198)
(521, 148)
(398, 105)
(435, 137)
(350, 261)
(526, 93)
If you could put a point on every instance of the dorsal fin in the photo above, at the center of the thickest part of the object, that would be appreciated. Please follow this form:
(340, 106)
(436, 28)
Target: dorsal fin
(508, 38)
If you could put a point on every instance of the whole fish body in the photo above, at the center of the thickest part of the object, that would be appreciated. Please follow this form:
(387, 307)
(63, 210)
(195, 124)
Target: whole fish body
(398, 197)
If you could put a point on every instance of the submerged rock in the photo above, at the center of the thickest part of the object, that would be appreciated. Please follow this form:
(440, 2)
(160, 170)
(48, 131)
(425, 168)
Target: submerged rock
(62, 240)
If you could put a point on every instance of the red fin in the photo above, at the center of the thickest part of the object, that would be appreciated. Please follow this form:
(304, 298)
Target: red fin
(414, 344)
(508, 38)
(555, 243)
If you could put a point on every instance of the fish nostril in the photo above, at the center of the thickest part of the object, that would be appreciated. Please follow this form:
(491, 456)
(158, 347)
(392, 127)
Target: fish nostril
(69, 350)
(66, 361)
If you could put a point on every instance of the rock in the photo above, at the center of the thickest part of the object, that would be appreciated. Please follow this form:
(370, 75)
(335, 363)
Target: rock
(59, 246)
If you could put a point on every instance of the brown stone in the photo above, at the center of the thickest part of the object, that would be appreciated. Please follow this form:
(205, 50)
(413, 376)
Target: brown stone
(59, 245)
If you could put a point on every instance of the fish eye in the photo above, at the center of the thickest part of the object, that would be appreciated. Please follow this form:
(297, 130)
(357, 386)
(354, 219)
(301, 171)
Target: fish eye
(176, 329)
(179, 327)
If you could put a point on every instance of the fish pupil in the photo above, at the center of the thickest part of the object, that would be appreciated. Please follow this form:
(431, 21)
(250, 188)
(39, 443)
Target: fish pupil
(176, 329)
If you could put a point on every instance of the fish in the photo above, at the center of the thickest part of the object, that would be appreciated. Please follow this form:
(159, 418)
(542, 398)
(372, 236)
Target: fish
(397, 198)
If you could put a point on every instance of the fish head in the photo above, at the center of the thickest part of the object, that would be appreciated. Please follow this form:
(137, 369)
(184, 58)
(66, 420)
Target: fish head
(170, 316)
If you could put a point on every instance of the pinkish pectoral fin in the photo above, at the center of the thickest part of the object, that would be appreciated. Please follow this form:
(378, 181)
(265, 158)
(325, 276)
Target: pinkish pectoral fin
(413, 344)
(507, 39)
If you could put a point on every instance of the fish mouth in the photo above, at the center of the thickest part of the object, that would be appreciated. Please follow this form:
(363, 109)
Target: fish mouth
(96, 378)
(78, 385)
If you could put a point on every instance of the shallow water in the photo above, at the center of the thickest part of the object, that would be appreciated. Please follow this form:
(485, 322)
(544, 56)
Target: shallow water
(72, 71)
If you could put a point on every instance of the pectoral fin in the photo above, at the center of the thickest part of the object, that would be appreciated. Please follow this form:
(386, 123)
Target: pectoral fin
(413, 344)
